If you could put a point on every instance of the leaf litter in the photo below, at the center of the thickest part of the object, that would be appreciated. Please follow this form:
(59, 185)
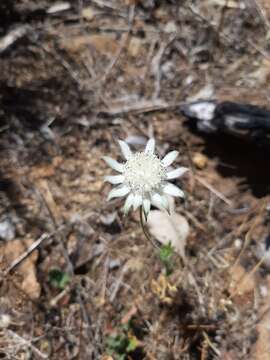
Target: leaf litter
(75, 80)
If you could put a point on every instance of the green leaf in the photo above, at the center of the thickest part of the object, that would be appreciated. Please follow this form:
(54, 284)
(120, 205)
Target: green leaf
(58, 279)
(132, 344)
(117, 343)
(166, 252)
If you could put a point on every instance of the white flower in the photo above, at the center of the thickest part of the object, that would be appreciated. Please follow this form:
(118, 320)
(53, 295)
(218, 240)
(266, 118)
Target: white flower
(144, 178)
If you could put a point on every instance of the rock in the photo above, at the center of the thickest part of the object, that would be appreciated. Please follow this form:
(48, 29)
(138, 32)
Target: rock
(88, 13)
(170, 27)
(7, 229)
(199, 160)
(5, 321)
(108, 219)
(134, 46)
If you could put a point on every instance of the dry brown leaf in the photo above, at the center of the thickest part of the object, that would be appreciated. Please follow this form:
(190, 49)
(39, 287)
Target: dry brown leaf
(167, 229)
(104, 44)
(242, 282)
(262, 346)
(265, 8)
(44, 189)
(261, 349)
(242, 286)
(260, 75)
(45, 170)
(11, 251)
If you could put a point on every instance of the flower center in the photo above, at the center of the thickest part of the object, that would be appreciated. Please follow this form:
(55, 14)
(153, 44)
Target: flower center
(144, 172)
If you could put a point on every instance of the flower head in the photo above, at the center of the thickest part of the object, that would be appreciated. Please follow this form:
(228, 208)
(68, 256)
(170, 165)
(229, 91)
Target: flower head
(144, 178)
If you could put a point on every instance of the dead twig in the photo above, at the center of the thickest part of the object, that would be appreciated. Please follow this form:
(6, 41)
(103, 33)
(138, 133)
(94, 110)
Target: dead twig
(9, 39)
(156, 63)
(214, 191)
(48, 201)
(31, 248)
(23, 342)
(122, 45)
(140, 107)
(222, 17)
(244, 278)
(262, 13)
(248, 235)
(72, 73)
(211, 345)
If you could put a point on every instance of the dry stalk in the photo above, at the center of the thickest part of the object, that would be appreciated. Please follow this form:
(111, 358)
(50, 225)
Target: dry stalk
(248, 235)
(214, 191)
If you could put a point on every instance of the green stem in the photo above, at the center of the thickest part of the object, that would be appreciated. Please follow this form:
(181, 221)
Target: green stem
(145, 231)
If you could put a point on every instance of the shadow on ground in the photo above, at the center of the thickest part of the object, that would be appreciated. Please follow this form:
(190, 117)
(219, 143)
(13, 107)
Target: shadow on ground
(240, 159)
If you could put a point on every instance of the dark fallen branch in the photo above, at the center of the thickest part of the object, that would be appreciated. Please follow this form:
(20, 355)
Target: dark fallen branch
(242, 120)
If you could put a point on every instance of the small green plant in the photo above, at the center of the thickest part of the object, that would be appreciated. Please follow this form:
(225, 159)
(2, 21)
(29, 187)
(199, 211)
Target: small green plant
(58, 279)
(165, 255)
(122, 342)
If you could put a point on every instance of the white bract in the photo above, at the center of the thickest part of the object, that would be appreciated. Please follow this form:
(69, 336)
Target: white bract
(144, 178)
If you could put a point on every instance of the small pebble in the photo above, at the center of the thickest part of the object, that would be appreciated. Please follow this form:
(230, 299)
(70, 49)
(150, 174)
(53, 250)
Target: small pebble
(199, 160)
(108, 219)
(238, 243)
(5, 321)
(263, 291)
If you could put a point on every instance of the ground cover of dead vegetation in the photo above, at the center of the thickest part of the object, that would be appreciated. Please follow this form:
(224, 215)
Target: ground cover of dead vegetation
(78, 279)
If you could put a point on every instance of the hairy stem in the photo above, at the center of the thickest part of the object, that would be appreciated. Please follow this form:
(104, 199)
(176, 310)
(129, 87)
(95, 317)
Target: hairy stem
(145, 231)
